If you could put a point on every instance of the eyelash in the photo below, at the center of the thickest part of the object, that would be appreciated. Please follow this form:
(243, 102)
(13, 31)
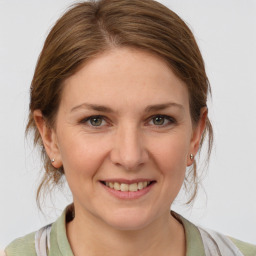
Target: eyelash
(170, 120)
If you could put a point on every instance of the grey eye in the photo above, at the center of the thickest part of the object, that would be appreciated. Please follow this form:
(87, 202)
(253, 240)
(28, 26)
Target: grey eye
(158, 120)
(96, 121)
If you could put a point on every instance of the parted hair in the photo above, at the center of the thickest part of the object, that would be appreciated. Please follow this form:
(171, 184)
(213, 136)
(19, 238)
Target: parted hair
(91, 27)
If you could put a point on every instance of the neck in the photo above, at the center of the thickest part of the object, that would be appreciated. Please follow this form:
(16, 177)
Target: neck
(165, 236)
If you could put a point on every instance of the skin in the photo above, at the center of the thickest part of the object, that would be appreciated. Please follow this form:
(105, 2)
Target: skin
(129, 143)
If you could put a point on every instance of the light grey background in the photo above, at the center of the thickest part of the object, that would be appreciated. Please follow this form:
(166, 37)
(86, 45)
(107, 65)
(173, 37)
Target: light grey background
(226, 34)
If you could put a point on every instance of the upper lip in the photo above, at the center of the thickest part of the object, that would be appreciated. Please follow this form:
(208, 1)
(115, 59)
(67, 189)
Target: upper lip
(126, 181)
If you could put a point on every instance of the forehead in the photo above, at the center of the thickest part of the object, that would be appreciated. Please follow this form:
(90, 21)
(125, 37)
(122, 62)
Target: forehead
(125, 75)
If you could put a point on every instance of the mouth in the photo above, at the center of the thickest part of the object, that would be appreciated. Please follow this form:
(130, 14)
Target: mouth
(128, 186)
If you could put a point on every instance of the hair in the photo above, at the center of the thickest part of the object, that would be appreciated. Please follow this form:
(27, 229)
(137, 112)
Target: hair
(89, 28)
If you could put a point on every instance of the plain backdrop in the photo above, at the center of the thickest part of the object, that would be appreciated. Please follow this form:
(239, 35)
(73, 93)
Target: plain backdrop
(226, 34)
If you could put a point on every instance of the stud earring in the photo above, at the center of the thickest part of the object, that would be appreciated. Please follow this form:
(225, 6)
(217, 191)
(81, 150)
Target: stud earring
(52, 160)
(191, 156)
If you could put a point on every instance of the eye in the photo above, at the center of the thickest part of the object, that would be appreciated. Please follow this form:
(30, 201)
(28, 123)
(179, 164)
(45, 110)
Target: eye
(158, 120)
(162, 120)
(95, 121)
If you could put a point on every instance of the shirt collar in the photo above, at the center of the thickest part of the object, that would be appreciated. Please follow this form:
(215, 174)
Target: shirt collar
(60, 243)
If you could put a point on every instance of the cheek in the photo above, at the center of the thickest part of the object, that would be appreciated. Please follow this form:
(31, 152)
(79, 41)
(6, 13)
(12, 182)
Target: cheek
(170, 155)
(171, 148)
(171, 161)
(81, 156)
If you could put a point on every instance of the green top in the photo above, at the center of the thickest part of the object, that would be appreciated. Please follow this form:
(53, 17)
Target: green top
(25, 246)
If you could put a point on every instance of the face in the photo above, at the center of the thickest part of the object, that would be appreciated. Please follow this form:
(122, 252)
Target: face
(124, 136)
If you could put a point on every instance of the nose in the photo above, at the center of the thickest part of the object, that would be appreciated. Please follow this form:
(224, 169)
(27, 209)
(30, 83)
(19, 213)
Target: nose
(128, 148)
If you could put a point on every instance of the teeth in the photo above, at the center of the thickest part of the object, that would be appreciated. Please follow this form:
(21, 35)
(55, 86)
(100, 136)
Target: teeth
(124, 187)
(116, 186)
(128, 187)
(133, 187)
(140, 185)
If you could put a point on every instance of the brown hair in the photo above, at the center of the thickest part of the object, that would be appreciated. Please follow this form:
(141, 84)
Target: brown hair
(89, 28)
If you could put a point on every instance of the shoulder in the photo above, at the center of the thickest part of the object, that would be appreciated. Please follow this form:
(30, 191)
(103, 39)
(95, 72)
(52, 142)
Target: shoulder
(49, 234)
(246, 248)
(23, 246)
(225, 244)
(212, 242)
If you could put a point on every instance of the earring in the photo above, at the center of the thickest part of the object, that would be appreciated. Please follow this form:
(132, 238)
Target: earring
(52, 160)
(191, 156)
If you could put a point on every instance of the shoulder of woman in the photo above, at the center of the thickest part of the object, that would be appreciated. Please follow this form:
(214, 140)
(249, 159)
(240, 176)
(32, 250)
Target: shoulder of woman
(23, 246)
(213, 241)
(226, 244)
(246, 248)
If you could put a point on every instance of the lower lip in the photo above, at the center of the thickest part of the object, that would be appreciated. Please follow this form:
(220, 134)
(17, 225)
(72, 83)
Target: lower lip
(128, 194)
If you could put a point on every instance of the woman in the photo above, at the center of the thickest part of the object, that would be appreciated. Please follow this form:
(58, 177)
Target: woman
(118, 105)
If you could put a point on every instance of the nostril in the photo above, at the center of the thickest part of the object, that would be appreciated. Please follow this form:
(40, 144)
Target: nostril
(128, 151)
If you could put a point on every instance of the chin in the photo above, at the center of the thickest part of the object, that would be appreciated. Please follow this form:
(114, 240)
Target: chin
(129, 220)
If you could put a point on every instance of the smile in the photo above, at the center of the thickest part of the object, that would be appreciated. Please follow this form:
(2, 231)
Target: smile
(125, 187)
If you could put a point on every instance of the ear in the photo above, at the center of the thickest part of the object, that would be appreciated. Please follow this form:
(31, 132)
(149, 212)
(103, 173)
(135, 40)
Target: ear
(197, 134)
(49, 139)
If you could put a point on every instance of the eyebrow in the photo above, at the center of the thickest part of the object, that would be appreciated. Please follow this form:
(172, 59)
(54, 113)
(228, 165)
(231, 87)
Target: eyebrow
(105, 109)
(157, 107)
